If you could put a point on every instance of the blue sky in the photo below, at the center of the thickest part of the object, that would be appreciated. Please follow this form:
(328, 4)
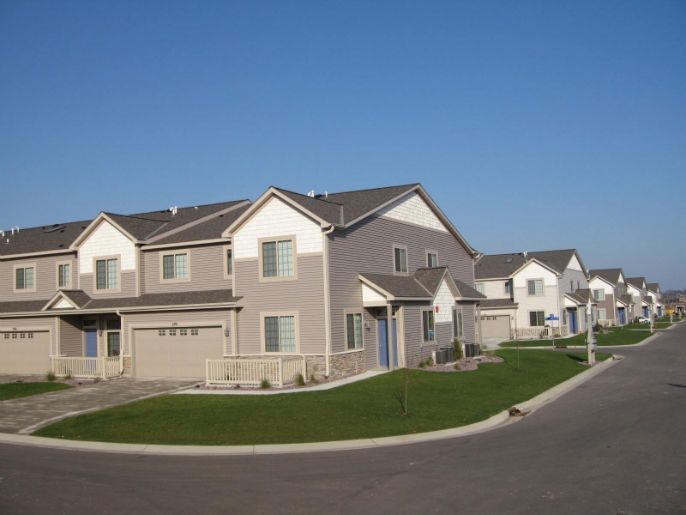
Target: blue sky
(533, 125)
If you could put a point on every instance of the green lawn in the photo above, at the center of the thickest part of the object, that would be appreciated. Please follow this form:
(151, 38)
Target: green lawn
(16, 390)
(366, 409)
(626, 335)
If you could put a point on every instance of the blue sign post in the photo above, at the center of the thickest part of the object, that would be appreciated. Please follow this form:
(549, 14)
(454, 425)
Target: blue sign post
(552, 317)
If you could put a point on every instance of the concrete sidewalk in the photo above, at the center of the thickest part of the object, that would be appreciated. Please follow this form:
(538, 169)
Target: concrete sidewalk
(27, 414)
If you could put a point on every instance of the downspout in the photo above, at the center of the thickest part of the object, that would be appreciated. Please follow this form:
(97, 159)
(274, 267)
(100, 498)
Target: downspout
(327, 299)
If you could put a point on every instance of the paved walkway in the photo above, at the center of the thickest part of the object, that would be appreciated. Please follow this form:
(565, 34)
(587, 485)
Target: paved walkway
(27, 414)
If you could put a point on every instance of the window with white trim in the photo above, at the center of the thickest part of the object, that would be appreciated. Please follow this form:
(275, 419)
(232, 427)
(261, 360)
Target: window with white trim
(458, 326)
(25, 278)
(229, 261)
(428, 325)
(479, 287)
(535, 287)
(107, 274)
(277, 259)
(279, 333)
(599, 294)
(175, 266)
(353, 330)
(400, 260)
(536, 318)
(431, 259)
(602, 314)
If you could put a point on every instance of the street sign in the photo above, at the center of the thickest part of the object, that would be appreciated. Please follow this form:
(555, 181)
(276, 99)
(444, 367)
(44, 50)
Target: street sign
(552, 317)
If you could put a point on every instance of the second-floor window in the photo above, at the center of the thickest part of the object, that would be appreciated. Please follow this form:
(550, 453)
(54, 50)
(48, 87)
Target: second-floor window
(175, 266)
(64, 275)
(24, 278)
(599, 294)
(107, 274)
(431, 259)
(229, 262)
(400, 259)
(535, 286)
(277, 258)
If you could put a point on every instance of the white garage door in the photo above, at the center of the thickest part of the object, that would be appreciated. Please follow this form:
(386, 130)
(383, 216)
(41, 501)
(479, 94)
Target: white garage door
(495, 326)
(175, 352)
(25, 352)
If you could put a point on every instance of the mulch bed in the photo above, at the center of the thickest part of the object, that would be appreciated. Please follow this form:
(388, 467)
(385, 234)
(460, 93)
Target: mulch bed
(462, 365)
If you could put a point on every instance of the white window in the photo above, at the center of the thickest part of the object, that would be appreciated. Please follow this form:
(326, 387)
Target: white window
(536, 318)
(175, 266)
(277, 259)
(599, 294)
(400, 259)
(353, 330)
(24, 278)
(601, 314)
(479, 287)
(428, 326)
(64, 275)
(535, 287)
(279, 333)
(107, 274)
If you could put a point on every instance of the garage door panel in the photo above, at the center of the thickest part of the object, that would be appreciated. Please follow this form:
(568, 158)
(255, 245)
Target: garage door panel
(495, 326)
(156, 353)
(25, 355)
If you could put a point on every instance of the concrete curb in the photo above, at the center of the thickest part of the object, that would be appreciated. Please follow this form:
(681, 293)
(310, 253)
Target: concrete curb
(499, 420)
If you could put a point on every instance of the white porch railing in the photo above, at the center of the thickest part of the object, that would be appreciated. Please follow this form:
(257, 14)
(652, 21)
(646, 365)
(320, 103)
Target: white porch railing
(533, 333)
(279, 371)
(104, 367)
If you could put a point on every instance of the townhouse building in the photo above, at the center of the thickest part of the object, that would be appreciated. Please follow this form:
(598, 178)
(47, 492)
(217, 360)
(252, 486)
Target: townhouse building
(347, 282)
(529, 294)
(609, 287)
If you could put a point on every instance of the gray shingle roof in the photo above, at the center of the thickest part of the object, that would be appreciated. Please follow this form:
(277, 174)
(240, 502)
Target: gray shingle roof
(556, 259)
(48, 238)
(422, 285)
(611, 275)
(186, 300)
(498, 303)
(497, 266)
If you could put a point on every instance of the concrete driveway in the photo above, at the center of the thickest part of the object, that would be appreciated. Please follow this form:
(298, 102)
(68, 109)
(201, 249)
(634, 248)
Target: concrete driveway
(27, 414)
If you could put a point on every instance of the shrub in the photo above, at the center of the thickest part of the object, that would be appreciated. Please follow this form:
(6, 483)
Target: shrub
(50, 376)
(265, 384)
(300, 380)
(458, 349)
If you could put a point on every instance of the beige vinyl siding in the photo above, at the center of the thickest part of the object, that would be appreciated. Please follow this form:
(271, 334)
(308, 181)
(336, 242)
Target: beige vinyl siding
(45, 277)
(127, 286)
(206, 270)
(71, 336)
(177, 319)
(303, 298)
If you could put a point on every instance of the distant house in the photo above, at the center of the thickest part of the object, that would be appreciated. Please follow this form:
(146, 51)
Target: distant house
(637, 288)
(653, 290)
(530, 293)
(342, 283)
(609, 290)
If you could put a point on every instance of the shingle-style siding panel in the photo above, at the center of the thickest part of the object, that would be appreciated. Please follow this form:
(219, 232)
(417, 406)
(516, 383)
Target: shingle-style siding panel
(71, 336)
(303, 297)
(274, 219)
(45, 277)
(413, 210)
(206, 270)
(107, 240)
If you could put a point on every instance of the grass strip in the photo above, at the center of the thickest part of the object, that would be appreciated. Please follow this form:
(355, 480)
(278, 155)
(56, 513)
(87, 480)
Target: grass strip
(615, 336)
(17, 390)
(365, 409)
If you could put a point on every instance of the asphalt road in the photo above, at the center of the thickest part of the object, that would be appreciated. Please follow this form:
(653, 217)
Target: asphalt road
(614, 445)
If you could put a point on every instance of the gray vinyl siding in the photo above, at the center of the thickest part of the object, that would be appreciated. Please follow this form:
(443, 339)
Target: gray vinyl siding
(368, 248)
(469, 323)
(303, 297)
(128, 286)
(45, 277)
(71, 336)
(206, 267)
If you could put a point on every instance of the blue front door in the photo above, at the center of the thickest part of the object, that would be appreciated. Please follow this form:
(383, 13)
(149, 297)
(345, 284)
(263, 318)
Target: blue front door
(622, 316)
(91, 343)
(383, 343)
(573, 322)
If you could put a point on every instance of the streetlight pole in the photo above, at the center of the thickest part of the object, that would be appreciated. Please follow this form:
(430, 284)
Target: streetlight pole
(589, 338)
